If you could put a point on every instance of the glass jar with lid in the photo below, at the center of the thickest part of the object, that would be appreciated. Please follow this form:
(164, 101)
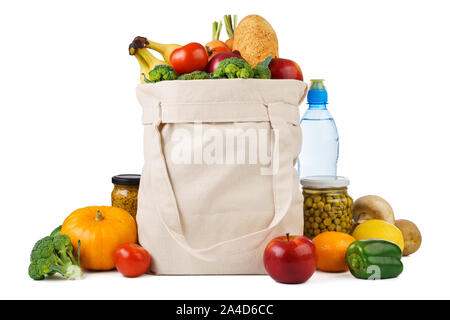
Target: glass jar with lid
(327, 205)
(125, 192)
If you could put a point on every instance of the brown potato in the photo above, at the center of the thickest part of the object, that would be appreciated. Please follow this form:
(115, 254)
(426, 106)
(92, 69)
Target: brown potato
(411, 235)
(255, 39)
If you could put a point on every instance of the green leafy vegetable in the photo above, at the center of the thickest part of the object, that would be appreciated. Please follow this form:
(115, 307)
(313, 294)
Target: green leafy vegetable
(56, 231)
(262, 71)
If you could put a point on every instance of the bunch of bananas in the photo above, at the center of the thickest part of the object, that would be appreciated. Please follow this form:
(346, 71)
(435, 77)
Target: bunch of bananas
(147, 61)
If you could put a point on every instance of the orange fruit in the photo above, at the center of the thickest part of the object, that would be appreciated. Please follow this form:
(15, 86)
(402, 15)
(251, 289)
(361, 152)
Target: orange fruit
(330, 250)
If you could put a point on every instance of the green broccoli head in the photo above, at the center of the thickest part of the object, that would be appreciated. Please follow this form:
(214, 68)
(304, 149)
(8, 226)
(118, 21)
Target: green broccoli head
(51, 255)
(234, 68)
(44, 248)
(160, 73)
(196, 75)
(262, 71)
(35, 272)
(40, 267)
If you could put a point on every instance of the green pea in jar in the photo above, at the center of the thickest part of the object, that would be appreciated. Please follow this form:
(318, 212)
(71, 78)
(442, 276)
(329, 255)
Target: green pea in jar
(327, 205)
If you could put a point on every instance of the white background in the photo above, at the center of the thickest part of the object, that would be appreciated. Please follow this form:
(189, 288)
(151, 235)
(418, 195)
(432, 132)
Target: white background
(70, 120)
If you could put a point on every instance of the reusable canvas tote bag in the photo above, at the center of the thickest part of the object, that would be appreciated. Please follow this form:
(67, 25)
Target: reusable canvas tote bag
(219, 179)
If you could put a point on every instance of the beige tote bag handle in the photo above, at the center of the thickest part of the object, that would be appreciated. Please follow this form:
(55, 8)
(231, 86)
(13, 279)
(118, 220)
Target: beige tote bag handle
(166, 203)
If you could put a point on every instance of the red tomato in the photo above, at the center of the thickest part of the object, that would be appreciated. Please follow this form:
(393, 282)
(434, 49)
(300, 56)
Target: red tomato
(285, 69)
(132, 260)
(189, 58)
(290, 259)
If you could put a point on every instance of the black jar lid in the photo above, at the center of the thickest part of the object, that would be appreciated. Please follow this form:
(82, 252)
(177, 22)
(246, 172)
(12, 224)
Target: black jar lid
(127, 179)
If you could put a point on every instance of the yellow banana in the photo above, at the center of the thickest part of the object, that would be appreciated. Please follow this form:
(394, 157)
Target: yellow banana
(144, 68)
(165, 49)
(146, 60)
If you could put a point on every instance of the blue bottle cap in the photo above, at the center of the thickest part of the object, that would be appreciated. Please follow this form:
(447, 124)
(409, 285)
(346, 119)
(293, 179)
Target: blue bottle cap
(317, 93)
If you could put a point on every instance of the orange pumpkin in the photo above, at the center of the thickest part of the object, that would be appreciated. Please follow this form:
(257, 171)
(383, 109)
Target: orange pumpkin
(101, 231)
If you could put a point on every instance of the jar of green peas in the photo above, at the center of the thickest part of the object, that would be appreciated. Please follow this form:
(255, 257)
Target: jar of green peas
(327, 205)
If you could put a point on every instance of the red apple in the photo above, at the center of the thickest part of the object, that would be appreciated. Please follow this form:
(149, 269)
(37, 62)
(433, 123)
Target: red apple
(290, 259)
(285, 69)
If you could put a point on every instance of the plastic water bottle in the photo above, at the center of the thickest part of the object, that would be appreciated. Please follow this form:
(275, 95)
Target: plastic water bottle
(320, 148)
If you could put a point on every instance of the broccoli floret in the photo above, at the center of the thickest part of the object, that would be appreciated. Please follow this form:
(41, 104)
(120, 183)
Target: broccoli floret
(234, 68)
(64, 248)
(43, 249)
(34, 272)
(262, 71)
(160, 73)
(196, 75)
(52, 255)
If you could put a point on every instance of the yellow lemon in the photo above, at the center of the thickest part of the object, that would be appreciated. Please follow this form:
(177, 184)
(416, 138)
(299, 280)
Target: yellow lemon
(379, 229)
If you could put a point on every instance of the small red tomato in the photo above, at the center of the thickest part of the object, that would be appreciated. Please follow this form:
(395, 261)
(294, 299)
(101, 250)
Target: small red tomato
(189, 58)
(290, 259)
(285, 69)
(132, 260)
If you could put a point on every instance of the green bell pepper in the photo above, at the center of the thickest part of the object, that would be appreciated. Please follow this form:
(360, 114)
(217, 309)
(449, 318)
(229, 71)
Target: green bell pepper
(374, 259)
